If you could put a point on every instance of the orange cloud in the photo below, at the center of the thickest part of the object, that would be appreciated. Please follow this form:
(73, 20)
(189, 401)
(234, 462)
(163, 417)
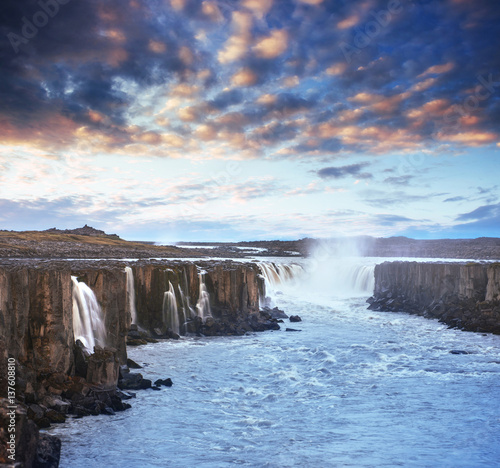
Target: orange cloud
(157, 47)
(258, 7)
(238, 44)
(272, 46)
(349, 22)
(471, 138)
(438, 69)
(244, 77)
(336, 69)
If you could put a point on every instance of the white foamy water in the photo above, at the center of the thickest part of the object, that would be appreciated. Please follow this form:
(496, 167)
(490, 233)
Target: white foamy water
(353, 388)
(88, 322)
(131, 294)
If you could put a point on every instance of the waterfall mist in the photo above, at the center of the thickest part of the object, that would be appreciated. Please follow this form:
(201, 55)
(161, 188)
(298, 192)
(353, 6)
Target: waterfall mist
(334, 269)
(338, 268)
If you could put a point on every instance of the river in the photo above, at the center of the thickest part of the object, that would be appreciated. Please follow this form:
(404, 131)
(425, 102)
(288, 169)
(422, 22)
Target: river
(352, 388)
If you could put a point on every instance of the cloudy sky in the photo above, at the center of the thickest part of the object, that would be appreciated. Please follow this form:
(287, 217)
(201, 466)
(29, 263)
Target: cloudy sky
(253, 119)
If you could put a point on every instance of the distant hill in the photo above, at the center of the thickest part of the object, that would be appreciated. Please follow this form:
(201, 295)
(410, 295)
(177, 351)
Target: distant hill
(83, 231)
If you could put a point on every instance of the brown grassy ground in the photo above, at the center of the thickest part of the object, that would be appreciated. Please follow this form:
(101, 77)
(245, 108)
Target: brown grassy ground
(56, 245)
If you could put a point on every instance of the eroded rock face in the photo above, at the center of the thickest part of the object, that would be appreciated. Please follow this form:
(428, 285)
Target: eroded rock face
(103, 367)
(36, 313)
(461, 295)
(36, 322)
(234, 290)
(493, 286)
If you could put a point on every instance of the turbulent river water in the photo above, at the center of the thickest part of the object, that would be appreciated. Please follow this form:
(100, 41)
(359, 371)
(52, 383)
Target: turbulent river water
(352, 388)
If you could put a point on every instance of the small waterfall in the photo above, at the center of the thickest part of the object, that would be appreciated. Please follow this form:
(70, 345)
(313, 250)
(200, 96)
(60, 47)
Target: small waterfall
(131, 294)
(187, 311)
(170, 314)
(88, 322)
(203, 304)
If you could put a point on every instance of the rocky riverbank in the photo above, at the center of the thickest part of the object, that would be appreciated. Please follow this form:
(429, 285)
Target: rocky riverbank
(465, 296)
(56, 378)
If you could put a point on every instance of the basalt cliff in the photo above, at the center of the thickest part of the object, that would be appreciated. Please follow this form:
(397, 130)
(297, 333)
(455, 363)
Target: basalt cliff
(41, 306)
(462, 295)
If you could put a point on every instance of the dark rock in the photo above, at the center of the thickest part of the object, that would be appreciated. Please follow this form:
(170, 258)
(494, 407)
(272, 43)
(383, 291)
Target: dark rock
(55, 417)
(171, 335)
(123, 371)
(166, 382)
(275, 313)
(125, 395)
(107, 410)
(103, 368)
(295, 318)
(134, 382)
(292, 330)
(48, 451)
(136, 342)
(35, 412)
(458, 351)
(80, 411)
(154, 387)
(81, 355)
(43, 423)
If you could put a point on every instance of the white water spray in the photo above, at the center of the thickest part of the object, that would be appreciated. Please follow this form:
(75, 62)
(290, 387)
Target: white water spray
(88, 322)
(131, 294)
(337, 269)
(203, 305)
(170, 313)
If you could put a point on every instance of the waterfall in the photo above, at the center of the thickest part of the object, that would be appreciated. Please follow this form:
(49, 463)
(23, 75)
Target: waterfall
(170, 314)
(88, 322)
(187, 311)
(277, 276)
(203, 304)
(340, 277)
(277, 273)
(131, 294)
(328, 276)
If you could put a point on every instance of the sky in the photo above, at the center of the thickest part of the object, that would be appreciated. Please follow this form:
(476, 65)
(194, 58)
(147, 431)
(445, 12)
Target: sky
(206, 120)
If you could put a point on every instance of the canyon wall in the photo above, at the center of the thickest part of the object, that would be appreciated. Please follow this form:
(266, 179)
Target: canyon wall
(36, 307)
(464, 295)
(234, 291)
(52, 375)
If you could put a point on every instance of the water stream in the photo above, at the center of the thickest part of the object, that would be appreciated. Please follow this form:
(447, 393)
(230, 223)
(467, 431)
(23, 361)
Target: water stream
(352, 388)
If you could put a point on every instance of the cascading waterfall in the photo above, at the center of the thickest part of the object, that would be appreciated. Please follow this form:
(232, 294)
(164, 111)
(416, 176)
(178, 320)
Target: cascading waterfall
(277, 276)
(341, 276)
(275, 273)
(170, 313)
(203, 305)
(186, 305)
(88, 322)
(131, 294)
